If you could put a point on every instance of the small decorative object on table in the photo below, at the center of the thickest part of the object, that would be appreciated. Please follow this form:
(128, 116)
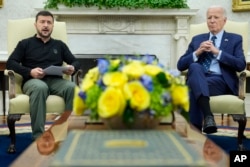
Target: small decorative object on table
(131, 92)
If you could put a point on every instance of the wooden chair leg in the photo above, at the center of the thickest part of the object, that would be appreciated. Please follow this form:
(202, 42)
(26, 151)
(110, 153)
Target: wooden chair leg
(242, 126)
(242, 120)
(222, 116)
(11, 120)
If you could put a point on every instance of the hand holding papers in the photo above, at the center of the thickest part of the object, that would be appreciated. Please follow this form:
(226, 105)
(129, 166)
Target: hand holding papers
(55, 70)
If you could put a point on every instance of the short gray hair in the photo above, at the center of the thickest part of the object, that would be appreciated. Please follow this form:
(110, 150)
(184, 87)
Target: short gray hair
(223, 9)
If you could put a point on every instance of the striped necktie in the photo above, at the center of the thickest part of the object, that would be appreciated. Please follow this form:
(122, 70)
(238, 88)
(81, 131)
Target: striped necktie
(206, 62)
(213, 39)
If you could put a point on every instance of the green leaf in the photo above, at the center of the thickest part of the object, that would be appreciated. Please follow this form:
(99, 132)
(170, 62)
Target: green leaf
(162, 79)
(91, 95)
(128, 115)
(107, 4)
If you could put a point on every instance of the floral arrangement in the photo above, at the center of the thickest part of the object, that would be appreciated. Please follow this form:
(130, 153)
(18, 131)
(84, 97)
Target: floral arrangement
(130, 85)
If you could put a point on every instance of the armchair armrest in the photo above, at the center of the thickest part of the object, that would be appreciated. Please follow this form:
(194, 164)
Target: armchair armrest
(242, 84)
(15, 82)
(78, 77)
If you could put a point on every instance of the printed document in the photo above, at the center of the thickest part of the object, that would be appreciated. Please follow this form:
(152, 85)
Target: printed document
(55, 70)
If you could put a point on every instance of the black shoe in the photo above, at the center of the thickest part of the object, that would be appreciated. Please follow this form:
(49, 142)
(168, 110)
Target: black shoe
(209, 125)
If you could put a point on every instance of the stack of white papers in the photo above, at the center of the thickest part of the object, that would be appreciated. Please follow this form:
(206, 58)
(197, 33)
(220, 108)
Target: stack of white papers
(55, 70)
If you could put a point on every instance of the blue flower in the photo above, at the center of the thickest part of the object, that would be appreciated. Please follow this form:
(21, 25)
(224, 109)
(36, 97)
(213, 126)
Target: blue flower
(82, 95)
(147, 82)
(174, 72)
(166, 98)
(103, 65)
(149, 59)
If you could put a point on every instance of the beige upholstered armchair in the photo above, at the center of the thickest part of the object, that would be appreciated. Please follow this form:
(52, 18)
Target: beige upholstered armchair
(19, 102)
(230, 104)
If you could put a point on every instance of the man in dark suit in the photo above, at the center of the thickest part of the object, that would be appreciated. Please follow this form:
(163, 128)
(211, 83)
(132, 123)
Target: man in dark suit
(212, 67)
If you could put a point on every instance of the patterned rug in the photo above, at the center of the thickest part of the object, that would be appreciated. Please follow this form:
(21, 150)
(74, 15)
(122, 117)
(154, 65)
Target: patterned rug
(226, 138)
(24, 140)
(23, 136)
(21, 128)
(231, 131)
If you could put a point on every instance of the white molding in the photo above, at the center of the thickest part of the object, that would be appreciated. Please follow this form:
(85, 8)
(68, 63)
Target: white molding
(91, 31)
(3, 55)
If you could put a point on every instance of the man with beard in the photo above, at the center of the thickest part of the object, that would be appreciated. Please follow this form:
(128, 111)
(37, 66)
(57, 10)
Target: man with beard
(34, 54)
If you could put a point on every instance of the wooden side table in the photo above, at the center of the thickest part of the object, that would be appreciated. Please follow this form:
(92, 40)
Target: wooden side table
(3, 85)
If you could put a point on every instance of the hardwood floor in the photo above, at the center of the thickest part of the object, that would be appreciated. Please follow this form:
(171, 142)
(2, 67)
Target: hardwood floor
(26, 119)
(227, 121)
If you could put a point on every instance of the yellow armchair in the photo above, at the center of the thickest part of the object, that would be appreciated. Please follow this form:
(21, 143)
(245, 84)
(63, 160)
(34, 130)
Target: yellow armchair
(19, 102)
(230, 104)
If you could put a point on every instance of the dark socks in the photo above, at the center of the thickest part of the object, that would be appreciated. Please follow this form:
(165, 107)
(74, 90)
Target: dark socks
(203, 102)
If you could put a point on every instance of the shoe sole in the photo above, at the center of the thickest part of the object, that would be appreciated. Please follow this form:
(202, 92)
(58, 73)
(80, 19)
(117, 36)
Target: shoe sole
(210, 130)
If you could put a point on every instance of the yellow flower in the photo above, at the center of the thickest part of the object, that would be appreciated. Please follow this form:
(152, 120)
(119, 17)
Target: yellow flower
(93, 74)
(78, 103)
(138, 95)
(152, 70)
(87, 83)
(90, 78)
(111, 103)
(180, 96)
(134, 69)
(115, 63)
(115, 79)
(169, 77)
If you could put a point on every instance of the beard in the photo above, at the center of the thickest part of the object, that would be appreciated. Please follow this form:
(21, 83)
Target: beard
(44, 34)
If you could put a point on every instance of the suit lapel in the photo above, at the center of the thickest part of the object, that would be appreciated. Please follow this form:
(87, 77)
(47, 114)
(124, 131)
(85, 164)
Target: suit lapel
(224, 41)
(203, 38)
(206, 37)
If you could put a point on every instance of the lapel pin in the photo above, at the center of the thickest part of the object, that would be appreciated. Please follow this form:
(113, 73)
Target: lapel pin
(226, 40)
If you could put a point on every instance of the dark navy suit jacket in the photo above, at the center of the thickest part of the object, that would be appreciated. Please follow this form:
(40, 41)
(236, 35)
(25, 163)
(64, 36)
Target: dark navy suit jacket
(232, 57)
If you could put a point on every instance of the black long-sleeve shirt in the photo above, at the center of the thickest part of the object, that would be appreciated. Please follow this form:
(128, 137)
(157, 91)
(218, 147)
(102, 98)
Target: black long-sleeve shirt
(33, 52)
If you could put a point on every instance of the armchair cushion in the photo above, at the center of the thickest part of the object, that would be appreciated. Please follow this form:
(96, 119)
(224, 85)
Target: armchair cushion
(227, 104)
(20, 104)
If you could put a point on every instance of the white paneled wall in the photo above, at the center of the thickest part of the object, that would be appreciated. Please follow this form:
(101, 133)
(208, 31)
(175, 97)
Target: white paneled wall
(14, 9)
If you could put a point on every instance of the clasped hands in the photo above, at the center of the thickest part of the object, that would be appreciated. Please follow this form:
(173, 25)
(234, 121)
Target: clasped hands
(38, 72)
(207, 46)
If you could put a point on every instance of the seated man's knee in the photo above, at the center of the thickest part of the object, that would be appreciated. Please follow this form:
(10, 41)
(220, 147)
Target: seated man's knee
(70, 86)
(37, 86)
(41, 86)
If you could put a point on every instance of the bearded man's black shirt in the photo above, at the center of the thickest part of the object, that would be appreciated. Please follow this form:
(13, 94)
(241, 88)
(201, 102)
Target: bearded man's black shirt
(33, 52)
